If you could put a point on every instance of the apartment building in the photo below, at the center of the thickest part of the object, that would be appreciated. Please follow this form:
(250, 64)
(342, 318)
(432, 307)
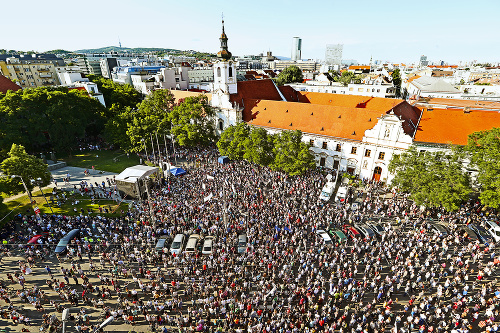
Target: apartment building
(30, 71)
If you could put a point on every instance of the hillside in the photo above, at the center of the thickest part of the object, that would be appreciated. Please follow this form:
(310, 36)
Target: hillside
(108, 49)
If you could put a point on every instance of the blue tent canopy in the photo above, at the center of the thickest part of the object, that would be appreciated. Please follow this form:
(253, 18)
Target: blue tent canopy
(223, 160)
(177, 171)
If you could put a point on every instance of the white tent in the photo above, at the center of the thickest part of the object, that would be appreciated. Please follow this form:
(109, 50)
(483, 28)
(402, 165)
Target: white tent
(130, 181)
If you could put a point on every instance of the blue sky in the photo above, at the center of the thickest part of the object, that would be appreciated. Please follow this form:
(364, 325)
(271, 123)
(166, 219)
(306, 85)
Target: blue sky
(398, 31)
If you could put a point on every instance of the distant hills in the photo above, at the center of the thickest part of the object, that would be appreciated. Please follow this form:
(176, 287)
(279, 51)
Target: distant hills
(108, 49)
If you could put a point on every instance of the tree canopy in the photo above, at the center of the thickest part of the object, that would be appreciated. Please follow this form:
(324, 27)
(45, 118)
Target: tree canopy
(291, 154)
(259, 147)
(48, 118)
(115, 93)
(484, 152)
(192, 121)
(289, 75)
(396, 81)
(232, 141)
(24, 165)
(433, 179)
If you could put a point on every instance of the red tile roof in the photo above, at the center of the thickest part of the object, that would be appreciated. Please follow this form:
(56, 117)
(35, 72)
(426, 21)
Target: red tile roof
(6, 84)
(334, 121)
(352, 101)
(445, 126)
(256, 89)
(450, 103)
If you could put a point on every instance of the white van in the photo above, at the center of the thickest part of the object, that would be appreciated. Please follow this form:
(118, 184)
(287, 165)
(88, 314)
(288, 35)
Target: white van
(493, 229)
(177, 244)
(191, 243)
(341, 193)
(327, 191)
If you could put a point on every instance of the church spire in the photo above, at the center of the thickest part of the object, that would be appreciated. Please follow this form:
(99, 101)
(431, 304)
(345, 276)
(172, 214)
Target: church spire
(223, 54)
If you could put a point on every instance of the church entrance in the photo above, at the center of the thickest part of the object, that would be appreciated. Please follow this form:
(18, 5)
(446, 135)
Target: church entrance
(376, 173)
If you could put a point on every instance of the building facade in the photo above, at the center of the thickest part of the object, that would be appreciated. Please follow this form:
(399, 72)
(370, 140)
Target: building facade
(30, 71)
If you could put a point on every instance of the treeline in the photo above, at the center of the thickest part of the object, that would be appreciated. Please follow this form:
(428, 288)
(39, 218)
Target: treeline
(438, 179)
(284, 151)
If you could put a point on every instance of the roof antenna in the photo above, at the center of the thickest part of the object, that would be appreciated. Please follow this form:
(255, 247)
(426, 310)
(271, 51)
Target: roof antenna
(119, 42)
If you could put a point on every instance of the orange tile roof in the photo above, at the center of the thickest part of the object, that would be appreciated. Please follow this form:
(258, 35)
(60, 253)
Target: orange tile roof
(461, 103)
(352, 101)
(258, 89)
(359, 67)
(334, 121)
(445, 126)
(413, 78)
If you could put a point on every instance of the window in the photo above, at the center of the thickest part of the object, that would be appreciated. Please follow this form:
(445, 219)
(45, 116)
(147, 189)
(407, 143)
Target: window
(221, 125)
(351, 89)
(339, 147)
(360, 89)
(365, 164)
(230, 71)
(353, 150)
(367, 153)
(325, 145)
(335, 165)
(218, 71)
(322, 161)
(381, 155)
(311, 142)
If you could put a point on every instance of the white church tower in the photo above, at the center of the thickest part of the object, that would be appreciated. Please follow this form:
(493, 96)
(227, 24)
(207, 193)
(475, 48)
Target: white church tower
(224, 85)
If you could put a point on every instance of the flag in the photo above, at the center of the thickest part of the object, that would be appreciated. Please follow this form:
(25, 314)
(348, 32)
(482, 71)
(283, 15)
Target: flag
(210, 177)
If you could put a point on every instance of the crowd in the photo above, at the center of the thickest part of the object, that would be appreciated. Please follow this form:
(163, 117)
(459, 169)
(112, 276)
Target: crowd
(286, 280)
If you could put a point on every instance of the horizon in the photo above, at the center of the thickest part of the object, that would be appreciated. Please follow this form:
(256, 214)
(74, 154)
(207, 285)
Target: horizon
(381, 31)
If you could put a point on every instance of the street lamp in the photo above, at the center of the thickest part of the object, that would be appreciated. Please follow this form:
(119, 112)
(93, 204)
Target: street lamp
(38, 182)
(145, 150)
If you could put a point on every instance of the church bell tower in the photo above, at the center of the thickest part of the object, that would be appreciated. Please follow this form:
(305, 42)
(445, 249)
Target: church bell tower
(225, 82)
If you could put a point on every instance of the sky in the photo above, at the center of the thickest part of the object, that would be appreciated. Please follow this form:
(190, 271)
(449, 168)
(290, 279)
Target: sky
(387, 30)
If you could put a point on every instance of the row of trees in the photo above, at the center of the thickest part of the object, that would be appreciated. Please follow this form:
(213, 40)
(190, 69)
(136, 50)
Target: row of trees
(442, 179)
(284, 151)
(57, 119)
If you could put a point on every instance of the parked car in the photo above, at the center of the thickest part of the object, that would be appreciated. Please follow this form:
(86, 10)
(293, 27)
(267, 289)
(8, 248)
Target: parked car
(324, 235)
(242, 243)
(177, 244)
(63, 243)
(481, 233)
(208, 245)
(327, 191)
(341, 193)
(351, 231)
(439, 229)
(192, 243)
(365, 231)
(162, 243)
(377, 228)
(467, 232)
(493, 229)
(338, 235)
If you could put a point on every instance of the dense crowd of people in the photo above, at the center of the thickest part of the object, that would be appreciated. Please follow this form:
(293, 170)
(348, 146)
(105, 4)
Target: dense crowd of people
(286, 280)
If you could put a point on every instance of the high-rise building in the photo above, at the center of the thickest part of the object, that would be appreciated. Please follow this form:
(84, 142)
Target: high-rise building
(297, 49)
(423, 61)
(333, 54)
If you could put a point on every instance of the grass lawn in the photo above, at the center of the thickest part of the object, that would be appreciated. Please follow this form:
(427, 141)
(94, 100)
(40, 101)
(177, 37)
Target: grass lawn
(22, 205)
(108, 160)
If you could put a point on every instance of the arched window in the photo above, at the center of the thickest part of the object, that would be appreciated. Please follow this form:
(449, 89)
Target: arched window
(221, 125)
(218, 71)
(230, 71)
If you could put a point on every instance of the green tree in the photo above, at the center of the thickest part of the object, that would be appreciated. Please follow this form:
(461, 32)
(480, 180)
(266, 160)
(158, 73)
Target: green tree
(396, 81)
(192, 121)
(48, 118)
(114, 93)
(484, 151)
(289, 75)
(259, 147)
(291, 154)
(22, 164)
(232, 141)
(151, 117)
(433, 179)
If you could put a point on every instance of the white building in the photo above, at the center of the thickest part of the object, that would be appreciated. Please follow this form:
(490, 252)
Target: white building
(426, 86)
(75, 80)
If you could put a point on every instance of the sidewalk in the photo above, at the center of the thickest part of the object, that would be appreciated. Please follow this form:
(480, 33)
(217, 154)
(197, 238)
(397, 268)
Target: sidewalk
(76, 176)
